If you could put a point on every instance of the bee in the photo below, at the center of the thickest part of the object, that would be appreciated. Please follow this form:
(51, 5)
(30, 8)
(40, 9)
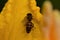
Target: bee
(29, 24)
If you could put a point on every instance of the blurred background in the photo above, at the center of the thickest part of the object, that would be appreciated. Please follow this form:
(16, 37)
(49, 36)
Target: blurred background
(55, 3)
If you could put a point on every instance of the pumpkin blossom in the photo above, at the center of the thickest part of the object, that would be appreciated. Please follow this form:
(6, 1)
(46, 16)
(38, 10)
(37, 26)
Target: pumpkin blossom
(14, 16)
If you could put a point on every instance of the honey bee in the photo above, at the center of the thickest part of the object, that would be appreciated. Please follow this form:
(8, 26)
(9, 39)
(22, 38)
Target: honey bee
(29, 24)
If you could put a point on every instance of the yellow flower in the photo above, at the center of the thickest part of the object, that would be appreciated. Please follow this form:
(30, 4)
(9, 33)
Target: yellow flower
(13, 17)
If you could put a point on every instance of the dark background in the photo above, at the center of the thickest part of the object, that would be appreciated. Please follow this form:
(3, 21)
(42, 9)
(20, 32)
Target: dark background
(56, 3)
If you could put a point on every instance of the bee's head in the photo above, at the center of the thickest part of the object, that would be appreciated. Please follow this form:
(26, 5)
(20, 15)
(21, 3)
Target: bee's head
(29, 16)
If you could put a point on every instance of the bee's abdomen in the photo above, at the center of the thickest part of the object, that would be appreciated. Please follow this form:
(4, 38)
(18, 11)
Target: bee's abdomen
(28, 29)
(29, 26)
